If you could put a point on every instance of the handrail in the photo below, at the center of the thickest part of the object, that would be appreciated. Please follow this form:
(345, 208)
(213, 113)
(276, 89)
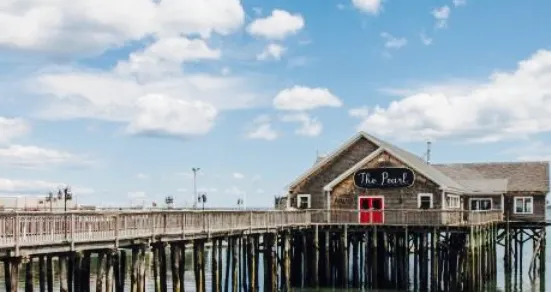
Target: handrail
(43, 228)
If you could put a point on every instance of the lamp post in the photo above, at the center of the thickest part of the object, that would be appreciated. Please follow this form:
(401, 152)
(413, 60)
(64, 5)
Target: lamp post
(195, 170)
(65, 195)
(169, 200)
(239, 203)
(202, 198)
(50, 198)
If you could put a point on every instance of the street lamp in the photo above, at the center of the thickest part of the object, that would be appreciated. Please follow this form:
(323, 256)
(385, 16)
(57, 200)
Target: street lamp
(50, 198)
(202, 198)
(65, 195)
(239, 203)
(169, 200)
(195, 170)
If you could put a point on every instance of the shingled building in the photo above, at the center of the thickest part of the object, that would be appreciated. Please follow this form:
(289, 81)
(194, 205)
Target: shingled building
(367, 173)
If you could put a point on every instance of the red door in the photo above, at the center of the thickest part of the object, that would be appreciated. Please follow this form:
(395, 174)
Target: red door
(371, 210)
(377, 207)
(365, 212)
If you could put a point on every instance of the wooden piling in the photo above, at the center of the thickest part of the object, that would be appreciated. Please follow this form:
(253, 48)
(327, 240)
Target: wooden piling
(109, 272)
(41, 273)
(214, 267)
(100, 271)
(134, 272)
(50, 273)
(234, 261)
(62, 263)
(29, 285)
(182, 266)
(175, 267)
(199, 258)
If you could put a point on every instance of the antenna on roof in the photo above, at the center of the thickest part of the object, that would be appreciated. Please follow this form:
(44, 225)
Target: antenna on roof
(428, 152)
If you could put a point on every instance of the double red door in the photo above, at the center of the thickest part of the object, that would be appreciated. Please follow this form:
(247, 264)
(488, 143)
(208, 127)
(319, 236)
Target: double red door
(371, 210)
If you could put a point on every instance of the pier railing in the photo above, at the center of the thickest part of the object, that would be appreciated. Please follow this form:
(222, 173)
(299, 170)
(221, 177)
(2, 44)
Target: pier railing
(19, 229)
(417, 217)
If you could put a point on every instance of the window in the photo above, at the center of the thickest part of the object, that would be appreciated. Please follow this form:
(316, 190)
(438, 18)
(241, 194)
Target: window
(453, 202)
(303, 201)
(424, 201)
(481, 204)
(524, 205)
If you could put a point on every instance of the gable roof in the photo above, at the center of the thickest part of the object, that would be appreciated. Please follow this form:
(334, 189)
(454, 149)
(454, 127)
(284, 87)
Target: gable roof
(353, 169)
(521, 176)
(408, 158)
(326, 159)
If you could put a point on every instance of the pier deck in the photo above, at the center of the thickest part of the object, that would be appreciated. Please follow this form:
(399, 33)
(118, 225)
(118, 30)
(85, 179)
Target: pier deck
(27, 233)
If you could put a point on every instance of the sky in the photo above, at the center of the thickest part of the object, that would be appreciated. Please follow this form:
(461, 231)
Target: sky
(121, 99)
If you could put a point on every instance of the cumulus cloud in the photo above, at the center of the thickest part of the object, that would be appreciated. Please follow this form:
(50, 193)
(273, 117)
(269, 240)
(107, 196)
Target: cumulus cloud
(12, 128)
(441, 15)
(279, 25)
(153, 95)
(392, 42)
(159, 114)
(512, 104)
(271, 51)
(36, 157)
(300, 98)
(425, 39)
(309, 126)
(368, 6)
(69, 26)
(262, 129)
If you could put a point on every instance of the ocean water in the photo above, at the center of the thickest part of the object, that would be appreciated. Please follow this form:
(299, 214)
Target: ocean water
(524, 284)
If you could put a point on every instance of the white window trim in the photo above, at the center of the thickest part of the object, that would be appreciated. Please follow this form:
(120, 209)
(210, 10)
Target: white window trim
(420, 195)
(480, 199)
(458, 201)
(524, 198)
(301, 196)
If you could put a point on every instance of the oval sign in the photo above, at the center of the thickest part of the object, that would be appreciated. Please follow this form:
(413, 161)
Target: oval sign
(384, 178)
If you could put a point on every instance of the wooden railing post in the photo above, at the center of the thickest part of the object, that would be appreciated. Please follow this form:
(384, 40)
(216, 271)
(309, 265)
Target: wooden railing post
(250, 221)
(16, 233)
(73, 226)
(116, 230)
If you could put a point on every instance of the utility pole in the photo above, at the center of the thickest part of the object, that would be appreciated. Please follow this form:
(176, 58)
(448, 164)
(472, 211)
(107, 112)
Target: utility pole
(195, 170)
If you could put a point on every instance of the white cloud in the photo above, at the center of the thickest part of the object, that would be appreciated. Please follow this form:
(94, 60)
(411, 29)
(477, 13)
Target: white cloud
(163, 115)
(425, 39)
(238, 175)
(36, 157)
(360, 112)
(393, 42)
(441, 15)
(17, 186)
(299, 98)
(66, 26)
(165, 56)
(509, 105)
(153, 95)
(12, 128)
(271, 51)
(458, 3)
(368, 6)
(278, 25)
(262, 129)
(309, 126)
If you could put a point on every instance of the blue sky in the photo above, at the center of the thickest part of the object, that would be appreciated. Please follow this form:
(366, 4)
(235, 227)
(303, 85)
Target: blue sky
(121, 103)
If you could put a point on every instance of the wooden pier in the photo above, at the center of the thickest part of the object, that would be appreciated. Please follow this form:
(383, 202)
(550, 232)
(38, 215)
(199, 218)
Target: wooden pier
(436, 250)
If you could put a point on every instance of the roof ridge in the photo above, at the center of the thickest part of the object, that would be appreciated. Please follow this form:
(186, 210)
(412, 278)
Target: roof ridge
(493, 162)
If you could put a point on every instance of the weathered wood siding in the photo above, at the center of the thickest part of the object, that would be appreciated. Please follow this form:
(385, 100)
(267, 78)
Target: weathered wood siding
(345, 194)
(539, 207)
(314, 183)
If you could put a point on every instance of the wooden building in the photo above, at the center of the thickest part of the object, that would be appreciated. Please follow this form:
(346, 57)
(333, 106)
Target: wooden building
(379, 179)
